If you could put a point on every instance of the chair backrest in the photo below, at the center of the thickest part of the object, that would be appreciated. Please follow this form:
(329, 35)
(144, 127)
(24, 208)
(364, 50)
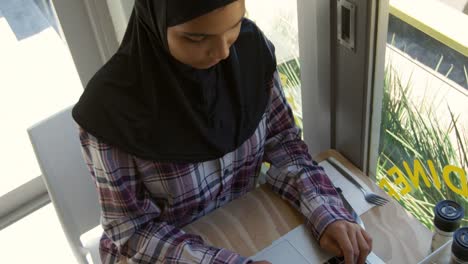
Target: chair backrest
(70, 186)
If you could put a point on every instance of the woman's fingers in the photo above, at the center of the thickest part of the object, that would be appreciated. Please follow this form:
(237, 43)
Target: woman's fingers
(368, 238)
(331, 246)
(347, 239)
(346, 247)
(364, 247)
(354, 241)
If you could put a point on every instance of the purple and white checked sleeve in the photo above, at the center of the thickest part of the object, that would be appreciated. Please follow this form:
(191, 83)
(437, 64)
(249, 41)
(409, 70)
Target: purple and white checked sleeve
(293, 174)
(129, 215)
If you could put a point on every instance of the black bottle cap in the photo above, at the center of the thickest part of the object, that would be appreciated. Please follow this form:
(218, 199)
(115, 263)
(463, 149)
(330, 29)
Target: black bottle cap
(460, 244)
(448, 215)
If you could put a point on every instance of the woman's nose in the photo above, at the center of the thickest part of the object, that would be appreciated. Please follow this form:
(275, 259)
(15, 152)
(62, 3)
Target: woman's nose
(220, 49)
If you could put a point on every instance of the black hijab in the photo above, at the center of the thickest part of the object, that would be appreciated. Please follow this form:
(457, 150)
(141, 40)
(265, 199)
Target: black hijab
(150, 105)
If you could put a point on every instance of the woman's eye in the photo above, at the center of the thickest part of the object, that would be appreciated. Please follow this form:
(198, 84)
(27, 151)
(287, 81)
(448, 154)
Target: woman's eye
(195, 39)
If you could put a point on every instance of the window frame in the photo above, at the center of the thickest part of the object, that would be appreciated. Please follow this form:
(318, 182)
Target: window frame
(383, 11)
(357, 77)
(22, 201)
(327, 88)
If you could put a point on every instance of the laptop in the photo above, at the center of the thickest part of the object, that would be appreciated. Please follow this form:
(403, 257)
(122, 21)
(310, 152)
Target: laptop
(299, 247)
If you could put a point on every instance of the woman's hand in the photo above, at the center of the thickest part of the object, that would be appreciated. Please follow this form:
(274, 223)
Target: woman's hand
(343, 238)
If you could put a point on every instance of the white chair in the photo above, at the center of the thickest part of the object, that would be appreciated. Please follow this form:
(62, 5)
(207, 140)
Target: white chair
(70, 186)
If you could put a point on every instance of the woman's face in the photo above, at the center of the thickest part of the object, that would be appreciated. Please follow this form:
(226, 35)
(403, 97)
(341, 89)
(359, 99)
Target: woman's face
(205, 40)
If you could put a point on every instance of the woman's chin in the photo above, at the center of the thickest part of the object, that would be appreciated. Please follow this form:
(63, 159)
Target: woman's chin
(206, 66)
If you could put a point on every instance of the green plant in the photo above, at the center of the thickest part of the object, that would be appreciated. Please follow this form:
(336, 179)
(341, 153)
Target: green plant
(291, 80)
(410, 132)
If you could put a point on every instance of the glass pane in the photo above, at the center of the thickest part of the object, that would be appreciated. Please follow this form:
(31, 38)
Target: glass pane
(279, 23)
(422, 156)
(38, 78)
(37, 238)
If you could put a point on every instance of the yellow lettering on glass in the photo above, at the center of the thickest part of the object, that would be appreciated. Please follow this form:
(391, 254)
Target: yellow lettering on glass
(385, 184)
(418, 171)
(463, 189)
(400, 179)
(434, 174)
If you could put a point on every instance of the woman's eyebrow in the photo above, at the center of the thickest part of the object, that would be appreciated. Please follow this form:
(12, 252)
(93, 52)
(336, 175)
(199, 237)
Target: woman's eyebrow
(207, 35)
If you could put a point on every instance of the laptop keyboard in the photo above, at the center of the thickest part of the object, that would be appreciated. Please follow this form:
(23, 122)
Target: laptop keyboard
(338, 260)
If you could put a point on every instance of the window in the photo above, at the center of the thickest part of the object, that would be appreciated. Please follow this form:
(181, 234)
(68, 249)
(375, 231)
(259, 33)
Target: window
(421, 157)
(38, 79)
(279, 23)
(37, 238)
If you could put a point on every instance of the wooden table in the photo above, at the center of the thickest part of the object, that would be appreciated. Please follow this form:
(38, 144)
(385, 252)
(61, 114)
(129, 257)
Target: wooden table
(252, 222)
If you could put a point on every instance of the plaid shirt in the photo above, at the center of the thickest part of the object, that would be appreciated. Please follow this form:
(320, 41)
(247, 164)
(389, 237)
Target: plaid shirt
(145, 204)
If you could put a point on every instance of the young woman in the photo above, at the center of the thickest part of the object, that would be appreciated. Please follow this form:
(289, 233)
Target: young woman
(178, 123)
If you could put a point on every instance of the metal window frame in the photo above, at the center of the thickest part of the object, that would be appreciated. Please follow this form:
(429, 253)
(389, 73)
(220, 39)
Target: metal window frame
(341, 87)
(383, 12)
(22, 201)
(357, 79)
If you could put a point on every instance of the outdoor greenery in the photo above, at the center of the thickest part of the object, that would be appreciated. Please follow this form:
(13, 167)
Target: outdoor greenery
(409, 133)
(291, 80)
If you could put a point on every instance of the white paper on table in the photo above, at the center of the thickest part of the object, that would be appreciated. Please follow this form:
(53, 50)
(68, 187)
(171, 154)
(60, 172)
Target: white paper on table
(352, 194)
(298, 247)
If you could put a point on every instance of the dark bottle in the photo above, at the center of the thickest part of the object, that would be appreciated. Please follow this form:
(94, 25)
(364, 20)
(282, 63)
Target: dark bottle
(460, 246)
(447, 218)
